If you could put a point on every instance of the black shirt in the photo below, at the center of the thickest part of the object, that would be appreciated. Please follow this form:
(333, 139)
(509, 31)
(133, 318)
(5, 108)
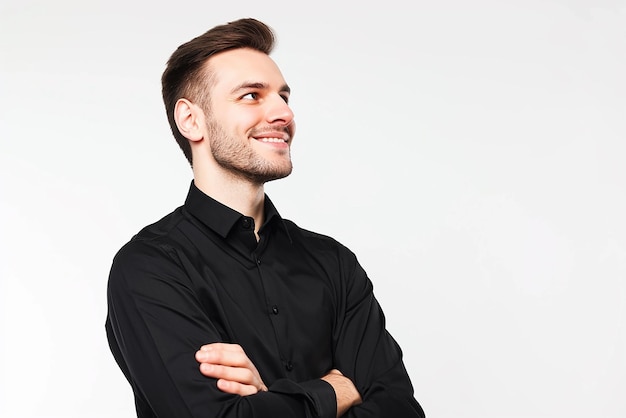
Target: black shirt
(297, 302)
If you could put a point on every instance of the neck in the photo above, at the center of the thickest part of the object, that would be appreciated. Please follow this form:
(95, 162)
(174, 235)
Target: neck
(241, 195)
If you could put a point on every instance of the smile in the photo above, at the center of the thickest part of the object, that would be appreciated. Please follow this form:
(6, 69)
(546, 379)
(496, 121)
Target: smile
(270, 139)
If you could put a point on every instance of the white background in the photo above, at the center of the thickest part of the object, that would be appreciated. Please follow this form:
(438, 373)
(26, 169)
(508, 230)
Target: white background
(470, 153)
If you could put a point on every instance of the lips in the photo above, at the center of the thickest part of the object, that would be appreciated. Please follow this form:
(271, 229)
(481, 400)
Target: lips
(272, 134)
(271, 139)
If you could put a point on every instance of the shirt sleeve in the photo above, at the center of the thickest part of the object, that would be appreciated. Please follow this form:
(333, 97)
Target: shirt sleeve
(366, 353)
(156, 324)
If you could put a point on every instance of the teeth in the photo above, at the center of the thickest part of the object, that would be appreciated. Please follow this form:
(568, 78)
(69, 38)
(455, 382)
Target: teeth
(272, 140)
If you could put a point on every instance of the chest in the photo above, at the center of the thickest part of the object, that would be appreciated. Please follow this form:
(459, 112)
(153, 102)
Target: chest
(279, 306)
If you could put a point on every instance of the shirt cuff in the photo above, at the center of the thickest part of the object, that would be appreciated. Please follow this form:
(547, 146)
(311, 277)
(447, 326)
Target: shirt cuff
(319, 393)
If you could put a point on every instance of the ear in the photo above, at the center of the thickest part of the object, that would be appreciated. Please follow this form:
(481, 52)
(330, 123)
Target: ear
(189, 119)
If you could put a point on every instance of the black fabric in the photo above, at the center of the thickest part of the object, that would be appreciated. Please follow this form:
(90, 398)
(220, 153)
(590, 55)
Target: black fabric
(297, 302)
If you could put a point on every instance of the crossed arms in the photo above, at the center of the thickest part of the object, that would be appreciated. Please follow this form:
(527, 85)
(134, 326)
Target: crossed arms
(236, 374)
(162, 307)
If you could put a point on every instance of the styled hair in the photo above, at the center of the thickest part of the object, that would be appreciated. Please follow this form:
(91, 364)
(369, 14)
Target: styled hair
(186, 76)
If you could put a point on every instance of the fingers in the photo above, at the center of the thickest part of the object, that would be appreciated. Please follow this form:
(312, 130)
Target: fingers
(236, 374)
(224, 354)
(229, 364)
(237, 388)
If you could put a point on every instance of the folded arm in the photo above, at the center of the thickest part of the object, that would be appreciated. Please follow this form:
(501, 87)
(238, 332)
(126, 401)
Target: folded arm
(237, 375)
(156, 324)
(367, 354)
(369, 378)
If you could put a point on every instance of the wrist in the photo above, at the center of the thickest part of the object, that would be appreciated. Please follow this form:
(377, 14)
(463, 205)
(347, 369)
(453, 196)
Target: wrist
(346, 393)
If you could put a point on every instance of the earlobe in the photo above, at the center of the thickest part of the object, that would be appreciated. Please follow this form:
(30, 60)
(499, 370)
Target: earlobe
(189, 119)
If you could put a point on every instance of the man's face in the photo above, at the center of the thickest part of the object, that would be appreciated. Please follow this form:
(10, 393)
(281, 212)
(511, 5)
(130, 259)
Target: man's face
(249, 123)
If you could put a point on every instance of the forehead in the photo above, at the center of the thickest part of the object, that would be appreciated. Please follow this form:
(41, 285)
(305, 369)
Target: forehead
(230, 69)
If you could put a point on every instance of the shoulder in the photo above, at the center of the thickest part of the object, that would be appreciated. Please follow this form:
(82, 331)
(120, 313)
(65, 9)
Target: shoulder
(301, 235)
(160, 234)
(322, 246)
(338, 261)
(152, 249)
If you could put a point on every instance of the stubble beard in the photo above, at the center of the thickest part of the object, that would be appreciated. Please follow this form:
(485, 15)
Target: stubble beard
(242, 160)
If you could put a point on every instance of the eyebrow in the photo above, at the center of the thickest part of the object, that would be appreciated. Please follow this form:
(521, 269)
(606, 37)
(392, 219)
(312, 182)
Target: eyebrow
(259, 86)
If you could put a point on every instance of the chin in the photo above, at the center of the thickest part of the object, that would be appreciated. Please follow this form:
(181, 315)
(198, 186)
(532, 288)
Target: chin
(272, 175)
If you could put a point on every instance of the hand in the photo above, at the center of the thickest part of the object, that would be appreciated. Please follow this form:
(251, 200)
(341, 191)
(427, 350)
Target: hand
(345, 391)
(229, 364)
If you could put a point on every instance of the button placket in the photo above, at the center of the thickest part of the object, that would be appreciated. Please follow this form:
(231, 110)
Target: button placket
(275, 315)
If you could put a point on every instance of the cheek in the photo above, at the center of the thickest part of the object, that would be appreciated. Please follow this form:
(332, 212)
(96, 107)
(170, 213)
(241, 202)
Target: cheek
(292, 127)
(241, 121)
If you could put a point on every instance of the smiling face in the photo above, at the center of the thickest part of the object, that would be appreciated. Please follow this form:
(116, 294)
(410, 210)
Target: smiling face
(249, 125)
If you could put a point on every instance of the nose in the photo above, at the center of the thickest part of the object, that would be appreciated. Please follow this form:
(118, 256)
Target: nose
(278, 111)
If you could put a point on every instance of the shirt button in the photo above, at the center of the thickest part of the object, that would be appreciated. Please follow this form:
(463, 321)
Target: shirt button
(275, 310)
(258, 261)
(289, 366)
(246, 223)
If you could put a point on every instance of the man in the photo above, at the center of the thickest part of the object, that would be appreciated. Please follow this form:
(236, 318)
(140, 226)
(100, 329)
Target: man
(223, 308)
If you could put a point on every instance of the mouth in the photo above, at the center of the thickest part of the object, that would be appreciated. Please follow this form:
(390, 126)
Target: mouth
(275, 140)
(273, 134)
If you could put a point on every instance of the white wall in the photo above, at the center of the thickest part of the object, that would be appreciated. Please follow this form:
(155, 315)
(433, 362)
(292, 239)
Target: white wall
(471, 154)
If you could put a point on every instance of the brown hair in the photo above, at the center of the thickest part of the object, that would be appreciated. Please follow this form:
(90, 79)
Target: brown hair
(185, 75)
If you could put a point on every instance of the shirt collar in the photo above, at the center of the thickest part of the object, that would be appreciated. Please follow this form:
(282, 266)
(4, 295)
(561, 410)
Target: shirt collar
(220, 217)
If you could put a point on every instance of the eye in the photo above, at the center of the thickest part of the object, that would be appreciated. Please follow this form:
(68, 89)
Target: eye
(285, 98)
(250, 96)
